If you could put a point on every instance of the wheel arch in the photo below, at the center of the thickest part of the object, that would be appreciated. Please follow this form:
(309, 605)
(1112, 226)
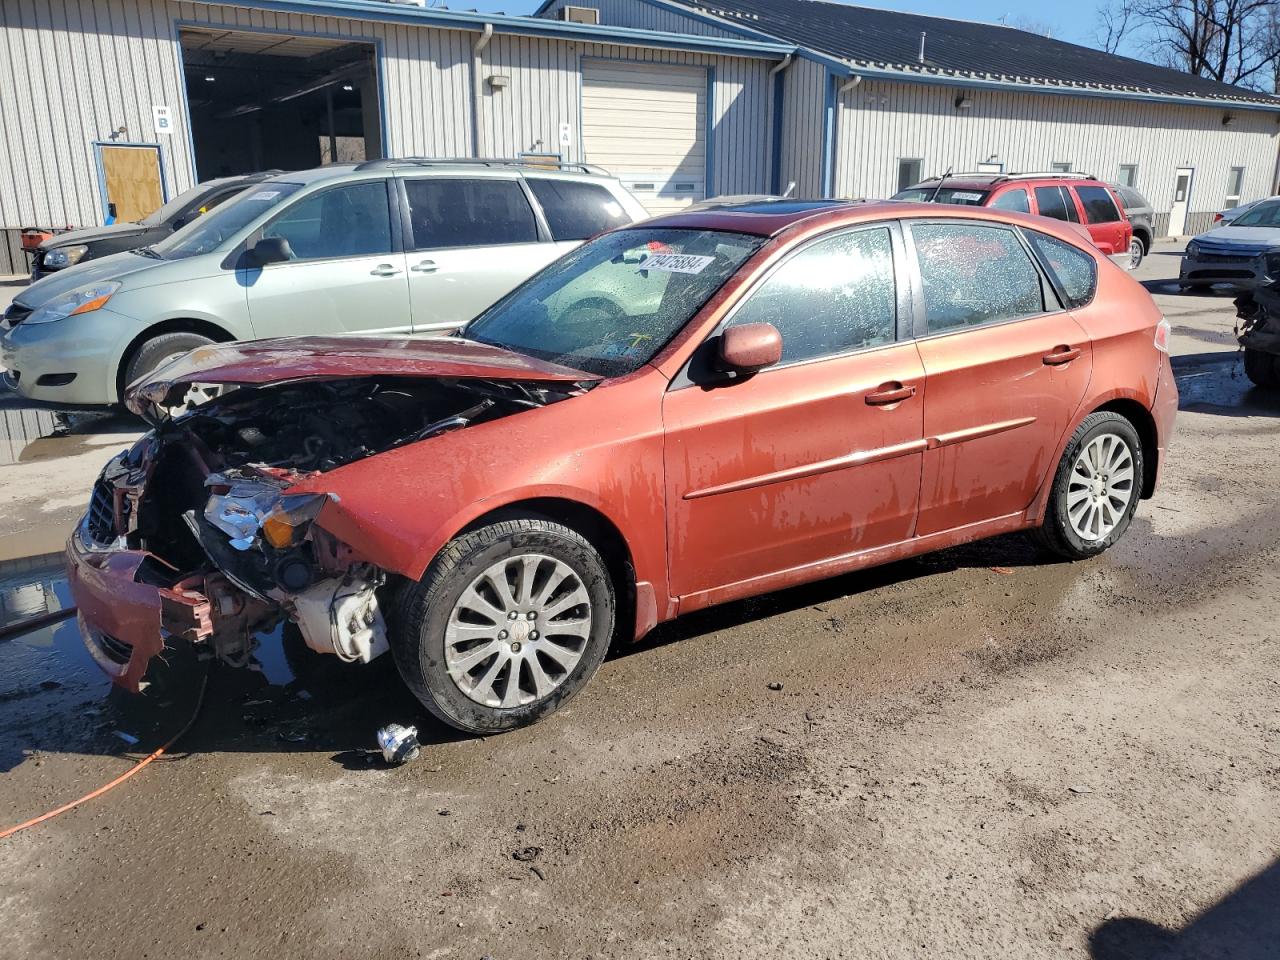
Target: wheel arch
(204, 328)
(1145, 236)
(1145, 424)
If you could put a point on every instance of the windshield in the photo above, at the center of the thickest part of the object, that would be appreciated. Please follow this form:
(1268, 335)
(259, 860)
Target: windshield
(211, 231)
(173, 207)
(612, 304)
(965, 196)
(1262, 215)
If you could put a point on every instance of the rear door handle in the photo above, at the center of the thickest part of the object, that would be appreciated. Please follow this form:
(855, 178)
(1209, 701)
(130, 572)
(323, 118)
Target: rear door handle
(426, 266)
(889, 393)
(384, 270)
(1061, 355)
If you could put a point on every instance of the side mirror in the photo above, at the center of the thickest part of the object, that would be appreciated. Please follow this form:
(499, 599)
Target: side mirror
(271, 250)
(750, 347)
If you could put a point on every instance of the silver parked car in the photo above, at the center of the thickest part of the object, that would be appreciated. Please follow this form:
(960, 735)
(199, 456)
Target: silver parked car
(381, 247)
(1244, 254)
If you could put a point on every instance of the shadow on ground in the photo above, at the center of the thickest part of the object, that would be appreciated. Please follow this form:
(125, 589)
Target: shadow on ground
(1245, 925)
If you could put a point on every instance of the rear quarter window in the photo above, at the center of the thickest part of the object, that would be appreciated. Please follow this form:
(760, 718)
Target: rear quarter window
(1075, 271)
(576, 211)
(1098, 205)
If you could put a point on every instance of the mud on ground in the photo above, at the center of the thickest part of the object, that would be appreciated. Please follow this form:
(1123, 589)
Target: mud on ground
(975, 754)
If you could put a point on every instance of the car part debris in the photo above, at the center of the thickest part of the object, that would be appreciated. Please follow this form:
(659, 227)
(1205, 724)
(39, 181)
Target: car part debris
(398, 744)
(343, 618)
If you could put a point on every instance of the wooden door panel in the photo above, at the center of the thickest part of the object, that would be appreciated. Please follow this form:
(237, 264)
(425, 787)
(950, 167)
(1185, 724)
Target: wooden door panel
(132, 179)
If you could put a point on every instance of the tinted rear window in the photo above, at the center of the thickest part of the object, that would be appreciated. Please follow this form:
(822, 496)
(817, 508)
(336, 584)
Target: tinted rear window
(576, 211)
(1098, 205)
(447, 212)
(1075, 270)
(1056, 203)
(1012, 200)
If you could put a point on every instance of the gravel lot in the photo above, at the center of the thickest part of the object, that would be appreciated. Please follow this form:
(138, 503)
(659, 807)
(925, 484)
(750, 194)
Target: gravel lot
(975, 754)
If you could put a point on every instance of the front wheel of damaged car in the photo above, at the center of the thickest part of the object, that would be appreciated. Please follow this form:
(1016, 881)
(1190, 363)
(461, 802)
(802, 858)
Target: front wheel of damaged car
(508, 623)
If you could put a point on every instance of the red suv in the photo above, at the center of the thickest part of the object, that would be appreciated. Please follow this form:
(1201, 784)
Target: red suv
(1073, 197)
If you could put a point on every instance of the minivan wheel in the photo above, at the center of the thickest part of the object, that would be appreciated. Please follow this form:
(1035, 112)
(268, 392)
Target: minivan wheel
(1136, 252)
(158, 350)
(1096, 488)
(508, 623)
(1262, 368)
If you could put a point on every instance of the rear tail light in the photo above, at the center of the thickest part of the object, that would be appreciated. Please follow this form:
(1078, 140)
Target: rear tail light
(1163, 330)
(1217, 218)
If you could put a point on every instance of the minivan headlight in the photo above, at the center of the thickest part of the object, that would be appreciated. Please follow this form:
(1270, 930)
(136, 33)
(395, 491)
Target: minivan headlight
(81, 300)
(1193, 249)
(60, 257)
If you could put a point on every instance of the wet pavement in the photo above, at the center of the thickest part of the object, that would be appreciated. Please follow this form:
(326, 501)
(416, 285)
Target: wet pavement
(977, 753)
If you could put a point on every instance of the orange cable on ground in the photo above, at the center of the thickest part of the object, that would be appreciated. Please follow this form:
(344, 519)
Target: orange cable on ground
(118, 780)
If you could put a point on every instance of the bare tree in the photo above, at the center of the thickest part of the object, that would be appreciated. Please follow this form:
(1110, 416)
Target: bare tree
(1224, 40)
(1114, 22)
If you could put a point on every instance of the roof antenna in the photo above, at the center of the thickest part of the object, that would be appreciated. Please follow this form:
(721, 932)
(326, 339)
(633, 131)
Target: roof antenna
(941, 180)
(920, 57)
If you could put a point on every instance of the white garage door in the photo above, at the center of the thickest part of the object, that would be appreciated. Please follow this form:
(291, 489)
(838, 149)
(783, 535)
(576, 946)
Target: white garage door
(646, 124)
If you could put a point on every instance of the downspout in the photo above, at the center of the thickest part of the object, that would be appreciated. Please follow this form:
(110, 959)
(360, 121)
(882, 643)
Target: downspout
(775, 161)
(477, 86)
(829, 171)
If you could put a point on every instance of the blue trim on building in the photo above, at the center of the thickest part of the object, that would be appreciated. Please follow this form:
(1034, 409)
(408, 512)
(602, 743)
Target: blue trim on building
(828, 133)
(775, 163)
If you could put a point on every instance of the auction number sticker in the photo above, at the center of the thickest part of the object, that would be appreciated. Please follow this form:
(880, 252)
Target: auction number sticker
(960, 195)
(265, 195)
(676, 263)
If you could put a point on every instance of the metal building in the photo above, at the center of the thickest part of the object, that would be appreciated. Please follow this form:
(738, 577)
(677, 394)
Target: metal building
(111, 107)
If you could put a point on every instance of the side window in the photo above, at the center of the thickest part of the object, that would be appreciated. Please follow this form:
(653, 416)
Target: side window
(1050, 203)
(974, 274)
(576, 210)
(445, 213)
(1012, 200)
(1098, 205)
(834, 296)
(348, 221)
(1075, 270)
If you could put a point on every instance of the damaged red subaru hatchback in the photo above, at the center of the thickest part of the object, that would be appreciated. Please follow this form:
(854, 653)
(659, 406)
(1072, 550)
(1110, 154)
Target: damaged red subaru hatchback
(699, 408)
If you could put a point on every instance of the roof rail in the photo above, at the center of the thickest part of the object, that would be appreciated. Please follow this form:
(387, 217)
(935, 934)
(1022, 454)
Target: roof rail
(1002, 177)
(534, 163)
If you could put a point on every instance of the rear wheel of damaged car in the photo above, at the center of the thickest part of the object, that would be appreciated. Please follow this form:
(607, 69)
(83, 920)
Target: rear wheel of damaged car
(509, 622)
(1263, 369)
(1096, 488)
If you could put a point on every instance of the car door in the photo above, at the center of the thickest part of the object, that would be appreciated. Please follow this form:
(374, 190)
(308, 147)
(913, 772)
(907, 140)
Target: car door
(816, 458)
(471, 240)
(1108, 227)
(1005, 369)
(347, 271)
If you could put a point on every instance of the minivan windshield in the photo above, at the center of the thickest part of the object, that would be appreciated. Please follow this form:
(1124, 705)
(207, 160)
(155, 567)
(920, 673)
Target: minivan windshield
(1263, 215)
(611, 305)
(211, 231)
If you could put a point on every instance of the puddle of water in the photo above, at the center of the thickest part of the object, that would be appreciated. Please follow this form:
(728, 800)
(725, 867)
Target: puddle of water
(30, 433)
(1219, 385)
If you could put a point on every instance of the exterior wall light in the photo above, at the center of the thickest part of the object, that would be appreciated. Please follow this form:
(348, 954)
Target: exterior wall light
(963, 102)
(497, 81)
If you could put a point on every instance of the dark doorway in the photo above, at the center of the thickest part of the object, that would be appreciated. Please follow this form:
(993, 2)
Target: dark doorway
(264, 101)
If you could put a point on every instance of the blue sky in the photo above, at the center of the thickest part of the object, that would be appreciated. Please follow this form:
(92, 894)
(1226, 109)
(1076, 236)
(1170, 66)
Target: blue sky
(1076, 25)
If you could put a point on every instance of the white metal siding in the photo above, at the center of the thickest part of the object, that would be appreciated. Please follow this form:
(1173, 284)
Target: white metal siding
(803, 110)
(647, 124)
(881, 121)
(642, 16)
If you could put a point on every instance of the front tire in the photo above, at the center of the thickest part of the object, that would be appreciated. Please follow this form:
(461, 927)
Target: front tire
(509, 622)
(1096, 488)
(158, 350)
(1262, 368)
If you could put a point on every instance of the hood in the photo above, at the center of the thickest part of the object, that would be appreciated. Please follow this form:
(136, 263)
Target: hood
(291, 359)
(114, 267)
(90, 234)
(1242, 236)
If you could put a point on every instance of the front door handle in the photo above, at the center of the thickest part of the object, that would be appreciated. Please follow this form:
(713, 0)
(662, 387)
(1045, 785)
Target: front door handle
(426, 266)
(888, 393)
(1061, 354)
(384, 270)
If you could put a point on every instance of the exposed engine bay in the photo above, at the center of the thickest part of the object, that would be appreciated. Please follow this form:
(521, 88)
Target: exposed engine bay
(231, 552)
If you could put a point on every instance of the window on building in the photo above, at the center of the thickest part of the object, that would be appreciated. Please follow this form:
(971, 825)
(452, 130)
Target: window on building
(909, 172)
(1128, 175)
(1012, 200)
(347, 221)
(1235, 186)
(576, 210)
(974, 275)
(445, 212)
(1098, 205)
(1060, 166)
(835, 296)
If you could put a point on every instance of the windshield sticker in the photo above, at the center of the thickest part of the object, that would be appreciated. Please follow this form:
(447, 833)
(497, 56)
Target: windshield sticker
(962, 195)
(265, 195)
(676, 263)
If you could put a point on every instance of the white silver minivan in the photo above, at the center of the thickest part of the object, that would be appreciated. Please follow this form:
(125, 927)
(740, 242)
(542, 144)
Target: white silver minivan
(384, 247)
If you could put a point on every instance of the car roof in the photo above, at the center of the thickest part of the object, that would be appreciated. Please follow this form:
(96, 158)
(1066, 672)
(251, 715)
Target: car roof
(772, 219)
(421, 166)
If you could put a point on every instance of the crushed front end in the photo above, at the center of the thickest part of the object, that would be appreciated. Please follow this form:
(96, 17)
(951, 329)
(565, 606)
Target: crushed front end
(195, 536)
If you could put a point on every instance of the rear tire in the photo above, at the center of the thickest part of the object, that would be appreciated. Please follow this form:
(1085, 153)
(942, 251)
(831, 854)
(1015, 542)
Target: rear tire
(1095, 490)
(1136, 252)
(1262, 368)
(474, 626)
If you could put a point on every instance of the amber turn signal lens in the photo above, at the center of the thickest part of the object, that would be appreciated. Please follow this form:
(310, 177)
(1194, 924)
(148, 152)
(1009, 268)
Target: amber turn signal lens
(90, 305)
(278, 531)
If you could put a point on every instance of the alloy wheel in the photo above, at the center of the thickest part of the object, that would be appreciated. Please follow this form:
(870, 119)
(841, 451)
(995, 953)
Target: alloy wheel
(518, 630)
(1101, 487)
(1135, 253)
